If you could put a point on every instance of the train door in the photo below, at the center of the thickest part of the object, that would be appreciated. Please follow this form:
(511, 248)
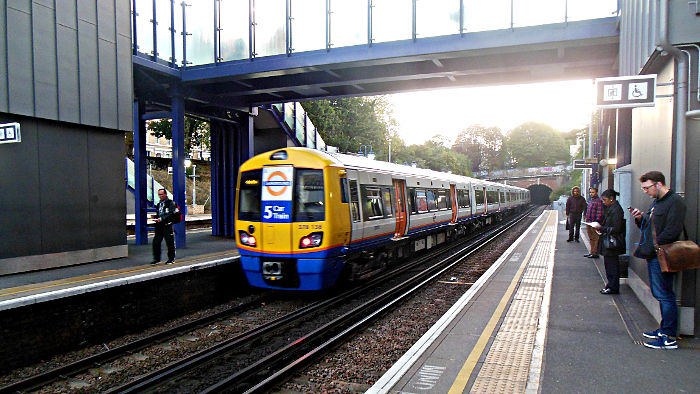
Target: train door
(453, 196)
(277, 193)
(355, 211)
(400, 209)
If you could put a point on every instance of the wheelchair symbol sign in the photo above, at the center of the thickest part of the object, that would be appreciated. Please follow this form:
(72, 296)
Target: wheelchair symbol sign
(637, 91)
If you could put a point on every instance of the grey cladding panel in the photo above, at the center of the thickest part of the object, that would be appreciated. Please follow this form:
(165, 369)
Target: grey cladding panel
(19, 70)
(124, 18)
(124, 83)
(87, 11)
(19, 196)
(89, 89)
(69, 92)
(107, 188)
(45, 77)
(67, 14)
(106, 20)
(3, 65)
(64, 188)
(108, 84)
(20, 5)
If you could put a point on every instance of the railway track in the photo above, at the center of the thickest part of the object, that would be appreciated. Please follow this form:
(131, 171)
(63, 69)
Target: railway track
(296, 339)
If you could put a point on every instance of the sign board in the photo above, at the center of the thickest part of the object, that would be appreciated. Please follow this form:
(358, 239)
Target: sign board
(581, 164)
(277, 194)
(626, 92)
(9, 132)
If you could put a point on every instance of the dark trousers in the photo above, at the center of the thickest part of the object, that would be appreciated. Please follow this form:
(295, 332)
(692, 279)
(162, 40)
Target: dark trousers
(167, 233)
(612, 271)
(574, 223)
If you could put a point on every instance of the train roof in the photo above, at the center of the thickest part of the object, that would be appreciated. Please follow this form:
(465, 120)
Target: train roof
(359, 162)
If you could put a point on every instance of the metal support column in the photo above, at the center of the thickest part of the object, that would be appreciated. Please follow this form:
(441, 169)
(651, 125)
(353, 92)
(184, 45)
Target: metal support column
(140, 193)
(178, 139)
(215, 139)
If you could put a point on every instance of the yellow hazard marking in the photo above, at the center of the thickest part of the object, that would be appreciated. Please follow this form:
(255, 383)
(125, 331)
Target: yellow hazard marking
(463, 376)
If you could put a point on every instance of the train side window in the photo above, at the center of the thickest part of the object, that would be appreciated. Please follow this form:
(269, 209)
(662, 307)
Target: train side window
(432, 200)
(503, 196)
(354, 202)
(442, 200)
(372, 206)
(386, 194)
(464, 201)
(479, 196)
(411, 200)
(421, 201)
(344, 190)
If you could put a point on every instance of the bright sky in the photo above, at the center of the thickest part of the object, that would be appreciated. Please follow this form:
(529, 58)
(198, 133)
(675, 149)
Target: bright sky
(421, 115)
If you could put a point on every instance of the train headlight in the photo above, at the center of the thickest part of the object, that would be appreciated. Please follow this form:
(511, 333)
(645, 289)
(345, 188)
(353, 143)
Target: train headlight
(247, 239)
(312, 240)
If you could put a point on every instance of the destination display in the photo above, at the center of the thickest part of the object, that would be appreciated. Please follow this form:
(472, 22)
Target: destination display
(277, 194)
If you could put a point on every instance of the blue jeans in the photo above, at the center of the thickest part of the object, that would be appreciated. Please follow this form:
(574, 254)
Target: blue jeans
(661, 284)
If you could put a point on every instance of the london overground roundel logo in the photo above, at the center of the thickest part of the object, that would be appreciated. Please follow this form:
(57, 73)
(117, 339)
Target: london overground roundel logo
(277, 183)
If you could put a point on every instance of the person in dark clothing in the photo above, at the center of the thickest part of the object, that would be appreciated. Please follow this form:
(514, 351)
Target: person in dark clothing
(594, 213)
(165, 217)
(668, 212)
(613, 228)
(575, 207)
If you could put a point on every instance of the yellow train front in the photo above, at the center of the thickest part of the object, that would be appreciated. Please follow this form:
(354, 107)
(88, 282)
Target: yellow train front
(292, 219)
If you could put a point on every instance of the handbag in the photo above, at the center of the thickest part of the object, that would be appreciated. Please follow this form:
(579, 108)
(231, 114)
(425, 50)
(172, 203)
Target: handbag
(567, 224)
(676, 256)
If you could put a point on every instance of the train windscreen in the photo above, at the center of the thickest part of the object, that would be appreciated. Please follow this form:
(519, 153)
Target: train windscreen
(250, 196)
(309, 200)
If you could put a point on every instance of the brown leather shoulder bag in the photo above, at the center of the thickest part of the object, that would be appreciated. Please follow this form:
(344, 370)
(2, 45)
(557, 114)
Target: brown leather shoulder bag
(676, 256)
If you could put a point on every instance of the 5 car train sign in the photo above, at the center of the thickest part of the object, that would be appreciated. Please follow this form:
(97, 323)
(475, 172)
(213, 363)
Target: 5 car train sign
(277, 194)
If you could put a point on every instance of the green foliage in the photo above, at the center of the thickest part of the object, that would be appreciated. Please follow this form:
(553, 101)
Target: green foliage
(436, 156)
(565, 190)
(482, 146)
(349, 123)
(534, 144)
(197, 132)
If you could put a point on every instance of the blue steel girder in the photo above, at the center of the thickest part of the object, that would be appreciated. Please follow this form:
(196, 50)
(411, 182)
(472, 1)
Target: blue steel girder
(582, 49)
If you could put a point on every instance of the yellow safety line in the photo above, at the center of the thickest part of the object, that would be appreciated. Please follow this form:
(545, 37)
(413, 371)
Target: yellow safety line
(463, 376)
(191, 260)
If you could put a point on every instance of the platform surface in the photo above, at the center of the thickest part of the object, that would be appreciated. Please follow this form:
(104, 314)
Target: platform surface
(536, 322)
(202, 250)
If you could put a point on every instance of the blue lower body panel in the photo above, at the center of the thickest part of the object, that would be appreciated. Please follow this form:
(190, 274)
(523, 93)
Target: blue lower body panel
(310, 274)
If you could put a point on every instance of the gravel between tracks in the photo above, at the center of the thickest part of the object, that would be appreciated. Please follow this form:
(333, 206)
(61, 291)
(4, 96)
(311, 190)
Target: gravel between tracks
(354, 366)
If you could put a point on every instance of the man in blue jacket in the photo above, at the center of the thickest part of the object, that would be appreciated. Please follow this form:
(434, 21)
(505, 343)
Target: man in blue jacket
(666, 213)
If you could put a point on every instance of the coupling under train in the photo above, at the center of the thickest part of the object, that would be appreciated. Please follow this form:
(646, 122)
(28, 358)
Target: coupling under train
(307, 218)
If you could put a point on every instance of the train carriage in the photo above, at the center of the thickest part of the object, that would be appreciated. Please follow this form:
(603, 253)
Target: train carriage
(306, 218)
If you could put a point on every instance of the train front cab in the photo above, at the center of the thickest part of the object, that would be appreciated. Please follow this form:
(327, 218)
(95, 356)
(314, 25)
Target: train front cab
(292, 221)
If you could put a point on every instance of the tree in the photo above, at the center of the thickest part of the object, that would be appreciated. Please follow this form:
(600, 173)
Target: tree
(534, 144)
(482, 146)
(349, 123)
(197, 132)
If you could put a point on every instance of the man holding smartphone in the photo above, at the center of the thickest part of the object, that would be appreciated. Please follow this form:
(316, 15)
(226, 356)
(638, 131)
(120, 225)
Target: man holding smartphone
(666, 214)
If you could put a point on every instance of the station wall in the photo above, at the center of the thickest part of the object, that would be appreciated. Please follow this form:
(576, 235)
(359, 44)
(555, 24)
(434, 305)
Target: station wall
(62, 195)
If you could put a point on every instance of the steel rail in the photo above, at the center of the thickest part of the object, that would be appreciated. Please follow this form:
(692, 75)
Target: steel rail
(360, 315)
(180, 367)
(76, 367)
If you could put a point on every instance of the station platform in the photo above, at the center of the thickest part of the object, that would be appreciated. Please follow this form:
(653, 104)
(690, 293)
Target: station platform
(202, 250)
(536, 322)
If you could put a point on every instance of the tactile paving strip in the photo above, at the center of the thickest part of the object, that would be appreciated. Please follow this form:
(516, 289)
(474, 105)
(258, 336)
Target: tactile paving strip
(507, 364)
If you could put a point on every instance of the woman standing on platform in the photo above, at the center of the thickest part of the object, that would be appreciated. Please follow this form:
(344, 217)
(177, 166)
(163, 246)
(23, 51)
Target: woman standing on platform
(612, 240)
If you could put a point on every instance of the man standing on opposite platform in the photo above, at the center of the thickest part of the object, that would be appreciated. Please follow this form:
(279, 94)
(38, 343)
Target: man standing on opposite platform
(575, 207)
(594, 213)
(165, 217)
(666, 215)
